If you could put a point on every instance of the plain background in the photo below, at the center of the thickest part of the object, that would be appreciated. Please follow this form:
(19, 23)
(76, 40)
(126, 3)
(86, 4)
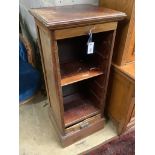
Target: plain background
(145, 77)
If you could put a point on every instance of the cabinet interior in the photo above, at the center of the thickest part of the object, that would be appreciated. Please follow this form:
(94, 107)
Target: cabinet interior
(83, 75)
(81, 100)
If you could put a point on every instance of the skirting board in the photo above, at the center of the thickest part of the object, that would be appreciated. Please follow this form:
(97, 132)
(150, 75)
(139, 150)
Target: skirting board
(71, 138)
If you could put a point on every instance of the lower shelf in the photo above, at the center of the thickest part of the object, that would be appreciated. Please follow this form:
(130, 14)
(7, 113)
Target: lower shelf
(78, 108)
(68, 139)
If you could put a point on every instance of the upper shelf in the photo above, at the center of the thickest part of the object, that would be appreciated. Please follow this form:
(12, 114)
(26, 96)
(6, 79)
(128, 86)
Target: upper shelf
(61, 16)
(77, 71)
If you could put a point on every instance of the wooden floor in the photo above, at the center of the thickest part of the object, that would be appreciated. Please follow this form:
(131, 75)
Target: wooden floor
(38, 137)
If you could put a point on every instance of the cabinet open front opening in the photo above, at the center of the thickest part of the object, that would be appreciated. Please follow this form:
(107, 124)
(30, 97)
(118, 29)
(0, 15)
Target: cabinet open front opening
(83, 75)
(82, 100)
(76, 65)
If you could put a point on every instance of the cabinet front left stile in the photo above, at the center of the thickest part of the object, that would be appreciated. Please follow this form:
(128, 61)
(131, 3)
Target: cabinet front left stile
(50, 62)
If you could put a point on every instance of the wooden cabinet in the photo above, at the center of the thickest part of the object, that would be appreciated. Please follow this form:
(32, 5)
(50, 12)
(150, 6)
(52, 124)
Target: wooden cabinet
(76, 82)
(124, 51)
(121, 97)
(121, 86)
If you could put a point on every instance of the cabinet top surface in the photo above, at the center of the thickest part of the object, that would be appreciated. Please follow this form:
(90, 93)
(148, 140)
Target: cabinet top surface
(75, 14)
(128, 69)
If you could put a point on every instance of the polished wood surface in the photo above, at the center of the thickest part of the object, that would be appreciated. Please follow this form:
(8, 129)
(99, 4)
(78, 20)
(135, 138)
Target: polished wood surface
(125, 38)
(61, 16)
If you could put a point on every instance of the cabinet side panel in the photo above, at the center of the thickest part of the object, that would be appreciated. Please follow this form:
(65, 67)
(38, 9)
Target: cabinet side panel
(42, 60)
(129, 55)
(53, 91)
(112, 40)
(119, 99)
(121, 5)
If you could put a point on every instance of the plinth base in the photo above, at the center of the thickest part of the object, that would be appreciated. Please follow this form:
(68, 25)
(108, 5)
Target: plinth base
(70, 138)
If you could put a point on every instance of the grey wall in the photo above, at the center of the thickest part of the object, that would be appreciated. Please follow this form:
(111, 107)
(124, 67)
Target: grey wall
(27, 19)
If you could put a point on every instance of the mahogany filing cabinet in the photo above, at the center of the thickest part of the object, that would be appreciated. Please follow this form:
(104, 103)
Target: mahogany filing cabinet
(76, 82)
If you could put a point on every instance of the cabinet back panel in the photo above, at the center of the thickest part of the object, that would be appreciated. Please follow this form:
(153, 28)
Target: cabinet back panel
(72, 49)
(89, 88)
(96, 90)
(70, 89)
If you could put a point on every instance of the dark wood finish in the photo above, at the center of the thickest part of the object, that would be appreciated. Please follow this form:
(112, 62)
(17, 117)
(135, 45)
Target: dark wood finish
(125, 38)
(76, 82)
(73, 15)
(121, 101)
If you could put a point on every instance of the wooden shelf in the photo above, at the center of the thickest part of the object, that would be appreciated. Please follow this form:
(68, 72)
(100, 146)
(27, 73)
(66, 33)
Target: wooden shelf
(77, 71)
(77, 108)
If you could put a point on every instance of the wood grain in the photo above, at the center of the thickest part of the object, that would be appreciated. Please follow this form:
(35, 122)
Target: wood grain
(42, 62)
(72, 137)
(124, 46)
(69, 16)
(120, 98)
(50, 71)
(129, 55)
(75, 71)
(82, 124)
(76, 82)
(78, 108)
(84, 30)
(84, 132)
(128, 69)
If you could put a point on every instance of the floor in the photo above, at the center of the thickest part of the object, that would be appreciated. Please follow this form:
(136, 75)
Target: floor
(37, 135)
